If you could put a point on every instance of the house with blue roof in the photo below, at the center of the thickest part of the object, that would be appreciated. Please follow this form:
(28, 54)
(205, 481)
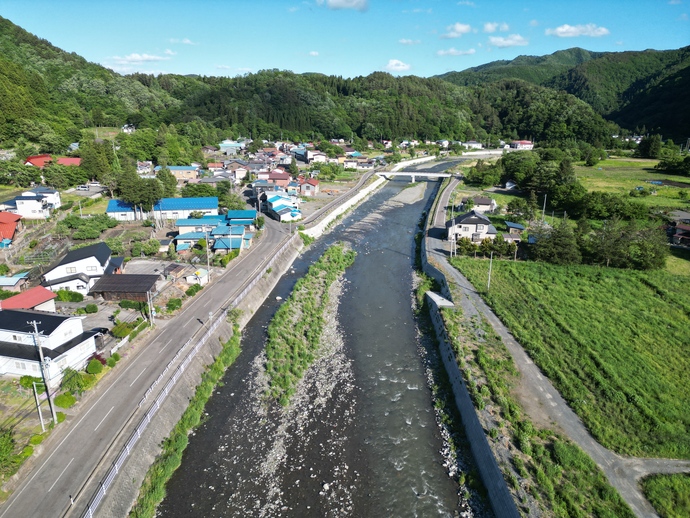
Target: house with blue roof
(182, 208)
(121, 210)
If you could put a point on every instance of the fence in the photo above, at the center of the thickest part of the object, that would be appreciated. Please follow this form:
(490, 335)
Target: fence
(114, 469)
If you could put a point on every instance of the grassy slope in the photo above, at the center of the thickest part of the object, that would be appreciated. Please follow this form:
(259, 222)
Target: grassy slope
(614, 342)
(669, 494)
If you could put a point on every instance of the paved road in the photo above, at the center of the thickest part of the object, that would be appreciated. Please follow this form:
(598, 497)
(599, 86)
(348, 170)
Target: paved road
(74, 450)
(623, 472)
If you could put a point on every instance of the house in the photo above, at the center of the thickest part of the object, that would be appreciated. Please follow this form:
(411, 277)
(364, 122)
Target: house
(121, 210)
(231, 147)
(680, 216)
(28, 207)
(472, 225)
(182, 173)
(365, 163)
(350, 163)
(17, 282)
(176, 208)
(521, 144)
(62, 339)
(515, 228)
(41, 161)
(481, 203)
(473, 144)
(241, 217)
(38, 298)
(283, 208)
(164, 245)
(136, 287)
(215, 167)
(279, 178)
(128, 128)
(188, 240)
(9, 224)
(81, 268)
(512, 238)
(52, 196)
(209, 150)
(144, 168)
(309, 187)
(681, 235)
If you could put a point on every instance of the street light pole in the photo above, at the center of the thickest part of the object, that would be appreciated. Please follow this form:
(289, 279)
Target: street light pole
(37, 342)
(491, 262)
(38, 407)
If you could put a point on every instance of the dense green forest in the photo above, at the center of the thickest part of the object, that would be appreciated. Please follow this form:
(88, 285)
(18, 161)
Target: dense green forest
(636, 90)
(48, 96)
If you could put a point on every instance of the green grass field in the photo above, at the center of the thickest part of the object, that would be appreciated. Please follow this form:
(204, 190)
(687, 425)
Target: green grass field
(614, 342)
(625, 174)
(669, 494)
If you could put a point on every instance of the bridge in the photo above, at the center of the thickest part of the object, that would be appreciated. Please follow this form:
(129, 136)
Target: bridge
(414, 175)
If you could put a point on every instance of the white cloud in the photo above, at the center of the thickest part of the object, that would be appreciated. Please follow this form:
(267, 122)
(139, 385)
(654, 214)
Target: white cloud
(184, 41)
(405, 41)
(674, 2)
(313, 53)
(395, 65)
(467, 3)
(495, 26)
(138, 59)
(454, 52)
(572, 31)
(293, 9)
(683, 17)
(244, 69)
(358, 5)
(514, 40)
(223, 67)
(169, 52)
(533, 23)
(456, 30)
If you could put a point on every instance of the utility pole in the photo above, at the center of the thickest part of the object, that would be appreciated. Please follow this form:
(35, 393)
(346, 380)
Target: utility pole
(37, 342)
(38, 407)
(543, 211)
(149, 300)
(208, 260)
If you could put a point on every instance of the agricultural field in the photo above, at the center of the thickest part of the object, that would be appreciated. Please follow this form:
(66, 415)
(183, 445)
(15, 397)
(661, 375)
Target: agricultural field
(623, 175)
(614, 342)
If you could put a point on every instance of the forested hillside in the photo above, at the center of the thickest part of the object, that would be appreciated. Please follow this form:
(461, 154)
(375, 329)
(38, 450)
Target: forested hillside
(47, 96)
(633, 89)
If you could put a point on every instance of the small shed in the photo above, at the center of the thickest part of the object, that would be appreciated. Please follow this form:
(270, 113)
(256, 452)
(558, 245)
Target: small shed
(515, 228)
(125, 287)
(200, 276)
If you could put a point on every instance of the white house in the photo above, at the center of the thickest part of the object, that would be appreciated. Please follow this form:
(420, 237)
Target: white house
(522, 144)
(121, 210)
(81, 268)
(62, 339)
(472, 225)
(473, 144)
(481, 204)
(181, 208)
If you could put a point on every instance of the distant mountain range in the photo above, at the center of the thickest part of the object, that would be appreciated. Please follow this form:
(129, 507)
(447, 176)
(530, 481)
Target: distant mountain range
(48, 96)
(633, 89)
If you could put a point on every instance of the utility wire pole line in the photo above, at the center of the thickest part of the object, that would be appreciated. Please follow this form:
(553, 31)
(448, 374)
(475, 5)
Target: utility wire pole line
(37, 342)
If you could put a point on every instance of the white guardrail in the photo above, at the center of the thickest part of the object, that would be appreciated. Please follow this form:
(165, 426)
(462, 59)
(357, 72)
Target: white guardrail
(114, 469)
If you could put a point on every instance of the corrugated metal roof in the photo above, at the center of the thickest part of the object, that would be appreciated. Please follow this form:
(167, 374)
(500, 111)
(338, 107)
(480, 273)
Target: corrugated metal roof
(119, 206)
(191, 235)
(228, 243)
(205, 203)
(241, 214)
(29, 299)
(125, 283)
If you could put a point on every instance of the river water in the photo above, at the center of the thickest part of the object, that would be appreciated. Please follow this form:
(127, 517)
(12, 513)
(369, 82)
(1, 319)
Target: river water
(360, 438)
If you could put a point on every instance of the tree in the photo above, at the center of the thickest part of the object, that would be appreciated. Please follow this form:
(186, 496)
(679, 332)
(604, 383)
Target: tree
(168, 181)
(650, 147)
(557, 245)
(294, 169)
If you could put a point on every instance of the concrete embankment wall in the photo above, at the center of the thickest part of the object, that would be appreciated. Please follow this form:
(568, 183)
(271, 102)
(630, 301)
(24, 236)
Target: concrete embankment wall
(501, 500)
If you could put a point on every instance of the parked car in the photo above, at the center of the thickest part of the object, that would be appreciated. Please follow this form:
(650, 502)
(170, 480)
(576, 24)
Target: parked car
(83, 187)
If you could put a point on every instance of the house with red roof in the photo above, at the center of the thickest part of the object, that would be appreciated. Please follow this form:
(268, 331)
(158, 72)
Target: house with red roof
(41, 161)
(9, 224)
(309, 187)
(38, 298)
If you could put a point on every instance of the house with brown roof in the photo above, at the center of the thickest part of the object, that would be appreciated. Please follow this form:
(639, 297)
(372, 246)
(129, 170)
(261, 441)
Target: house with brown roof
(473, 225)
(9, 225)
(481, 203)
(309, 187)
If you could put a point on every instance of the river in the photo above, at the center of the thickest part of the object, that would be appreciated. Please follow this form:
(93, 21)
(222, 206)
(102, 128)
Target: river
(361, 437)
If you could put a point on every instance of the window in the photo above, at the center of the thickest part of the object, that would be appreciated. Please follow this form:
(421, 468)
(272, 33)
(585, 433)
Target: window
(71, 269)
(480, 227)
(34, 367)
(465, 229)
(20, 366)
(90, 268)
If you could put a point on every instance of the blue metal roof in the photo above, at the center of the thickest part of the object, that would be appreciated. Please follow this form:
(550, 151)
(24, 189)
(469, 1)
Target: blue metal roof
(191, 236)
(516, 226)
(207, 221)
(205, 203)
(119, 206)
(227, 230)
(228, 243)
(241, 214)
(183, 246)
(245, 222)
(177, 168)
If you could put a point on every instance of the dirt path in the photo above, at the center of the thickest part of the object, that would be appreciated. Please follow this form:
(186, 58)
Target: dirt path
(540, 399)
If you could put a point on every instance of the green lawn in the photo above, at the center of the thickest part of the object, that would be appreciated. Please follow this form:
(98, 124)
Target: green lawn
(624, 174)
(614, 342)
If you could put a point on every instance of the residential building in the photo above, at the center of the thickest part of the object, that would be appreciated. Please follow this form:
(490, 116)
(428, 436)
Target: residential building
(473, 144)
(515, 228)
(522, 144)
(182, 173)
(309, 187)
(81, 268)
(136, 287)
(179, 208)
(231, 147)
(472, 225)
(9, 225)
(37, 298)
(62, 339)
(16, 282)
(481, 203)
(121, 210)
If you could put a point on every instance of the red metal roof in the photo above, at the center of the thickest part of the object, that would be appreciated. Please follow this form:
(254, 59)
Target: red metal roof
(38, 160)
(28, 299)
(8, 225)
(69, 161)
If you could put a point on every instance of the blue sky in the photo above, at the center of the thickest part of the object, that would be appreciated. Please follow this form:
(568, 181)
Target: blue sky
(342, 37)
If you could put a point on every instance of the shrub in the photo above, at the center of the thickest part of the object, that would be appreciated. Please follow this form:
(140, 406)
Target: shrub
(6, 447)
(73, 381)
(61, 417)
(116, 357)
(193, 290)
(36, 439)
(28, 381)
(131, 304)
(174, 304)
(110, 362)
(33, 243)
(69, 296)
(94, 367)
(229, 257)
(306, 239)
(66, 400)
(91, 308)
(4, 269)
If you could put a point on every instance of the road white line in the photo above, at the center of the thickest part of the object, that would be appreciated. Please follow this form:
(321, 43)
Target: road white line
(40, 470)
(188, 321)
(61, 473)
(106, 415)
(207, 303)
(135, 379)
(166, 344)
